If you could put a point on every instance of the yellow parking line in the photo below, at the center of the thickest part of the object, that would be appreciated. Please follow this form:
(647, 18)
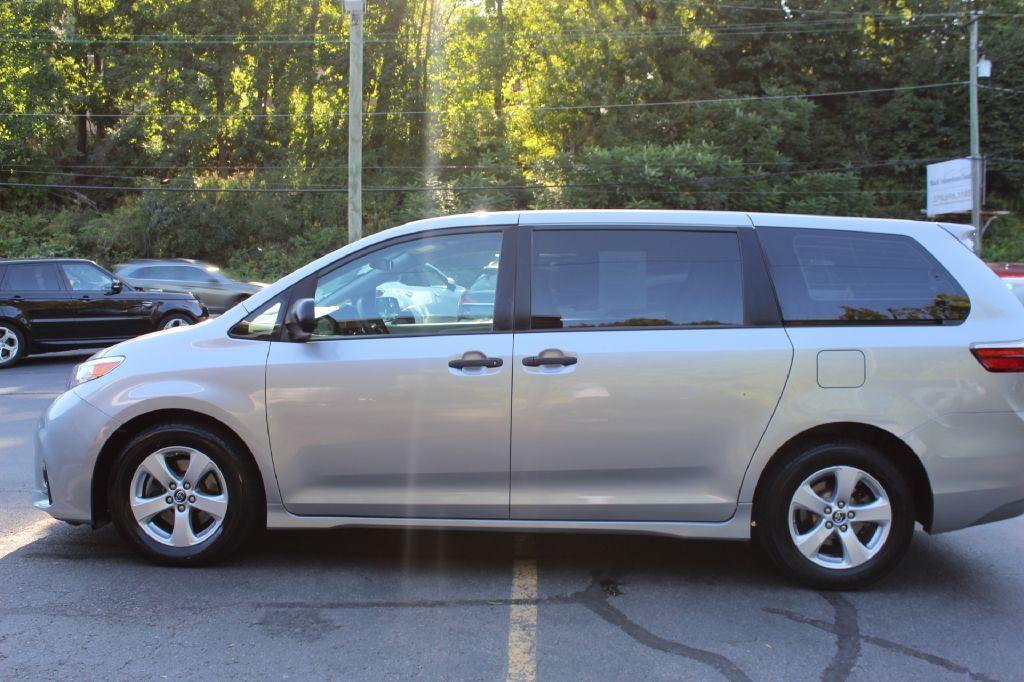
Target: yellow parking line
(522, 632)
(28, 534)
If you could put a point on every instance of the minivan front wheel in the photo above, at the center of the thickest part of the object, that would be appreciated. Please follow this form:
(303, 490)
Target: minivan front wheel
(181, 494)
(837, 515)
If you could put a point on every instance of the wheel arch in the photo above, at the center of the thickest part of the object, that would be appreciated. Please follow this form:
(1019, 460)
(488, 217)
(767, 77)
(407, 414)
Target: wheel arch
(15, 320)
(901, 455)
(123, 435)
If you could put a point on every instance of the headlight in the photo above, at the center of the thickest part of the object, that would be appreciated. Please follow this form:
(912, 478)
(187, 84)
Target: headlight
(94, 369)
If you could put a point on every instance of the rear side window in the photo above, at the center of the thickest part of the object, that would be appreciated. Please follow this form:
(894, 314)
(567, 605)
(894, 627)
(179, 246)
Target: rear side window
(635, 278)
(32, 277)
(835, 276)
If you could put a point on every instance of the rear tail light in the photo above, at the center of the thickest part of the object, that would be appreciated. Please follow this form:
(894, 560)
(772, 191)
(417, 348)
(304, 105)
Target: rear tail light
(1000, 357)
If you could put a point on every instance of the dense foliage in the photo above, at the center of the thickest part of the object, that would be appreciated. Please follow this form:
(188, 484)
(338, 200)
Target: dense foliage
(146, 125)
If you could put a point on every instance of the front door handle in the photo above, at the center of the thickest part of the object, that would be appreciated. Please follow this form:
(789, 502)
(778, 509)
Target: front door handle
(537, 360)
(475, 362)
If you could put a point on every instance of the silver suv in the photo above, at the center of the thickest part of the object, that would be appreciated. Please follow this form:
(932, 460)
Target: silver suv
(819, 383)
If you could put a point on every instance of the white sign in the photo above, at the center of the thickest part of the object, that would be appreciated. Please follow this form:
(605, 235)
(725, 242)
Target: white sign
(949, 187)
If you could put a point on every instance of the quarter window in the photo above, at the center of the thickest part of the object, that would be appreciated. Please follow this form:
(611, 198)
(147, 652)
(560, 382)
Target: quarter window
(635, 278)
(834, 276)
(415, 287)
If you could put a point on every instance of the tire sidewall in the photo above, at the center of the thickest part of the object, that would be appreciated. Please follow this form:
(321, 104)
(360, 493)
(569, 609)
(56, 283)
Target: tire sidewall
(240, 513)
(4, 324)
(774, 514)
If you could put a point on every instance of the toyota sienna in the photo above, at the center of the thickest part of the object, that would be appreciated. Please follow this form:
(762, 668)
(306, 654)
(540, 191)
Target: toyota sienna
(819, 383)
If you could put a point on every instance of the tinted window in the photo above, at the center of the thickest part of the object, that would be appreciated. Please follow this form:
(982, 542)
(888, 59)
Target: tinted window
(85, 277)
(832, 275)
(403, 289)
(190, 274)
(32, 277)
(635, 278)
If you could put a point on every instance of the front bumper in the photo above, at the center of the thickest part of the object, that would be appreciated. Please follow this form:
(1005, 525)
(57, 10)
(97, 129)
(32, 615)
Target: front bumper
(975, 464)
(70, 436)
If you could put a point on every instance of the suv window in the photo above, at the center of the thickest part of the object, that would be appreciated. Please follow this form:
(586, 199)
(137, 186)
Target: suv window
(32, 277)
(86, 277)
(389, 291)
(824, 276)
(635, 278)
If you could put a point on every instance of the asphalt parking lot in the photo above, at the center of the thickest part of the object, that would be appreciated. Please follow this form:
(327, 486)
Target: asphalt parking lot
(361, 604)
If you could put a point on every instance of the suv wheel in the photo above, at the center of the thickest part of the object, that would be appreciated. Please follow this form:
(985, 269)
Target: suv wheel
(176, 320)
(838, 515)
(12, 345)
(182, 495)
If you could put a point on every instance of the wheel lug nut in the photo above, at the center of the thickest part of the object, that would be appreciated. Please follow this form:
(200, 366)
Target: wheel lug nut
(851, 515)
(842, 504)
(843, 527)
(181, 507)
(828, 510)
(187, 485)
(191, 498)
(828, 524)
(170, 500)
(173, 486)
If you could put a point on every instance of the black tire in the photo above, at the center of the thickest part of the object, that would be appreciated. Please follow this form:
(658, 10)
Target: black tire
(182, 320)
(245, 511)
(9, 356)
(773, 514)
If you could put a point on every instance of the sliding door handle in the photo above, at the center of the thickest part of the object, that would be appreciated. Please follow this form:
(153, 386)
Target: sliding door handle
(537, 360)
(475, 362)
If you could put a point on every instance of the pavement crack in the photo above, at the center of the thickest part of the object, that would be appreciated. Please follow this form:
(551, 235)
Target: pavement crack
(887, 644)
(595, 598)
(847, 632)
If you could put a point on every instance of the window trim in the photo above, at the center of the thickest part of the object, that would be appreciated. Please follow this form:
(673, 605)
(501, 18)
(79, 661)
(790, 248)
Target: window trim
(760, 306)
(862, 323)
(503, 296)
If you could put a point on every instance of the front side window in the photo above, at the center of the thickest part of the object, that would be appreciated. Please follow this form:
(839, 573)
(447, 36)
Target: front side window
(836, 276)
(635, 278)
(415, 287)
(85, 277)
(32, 277)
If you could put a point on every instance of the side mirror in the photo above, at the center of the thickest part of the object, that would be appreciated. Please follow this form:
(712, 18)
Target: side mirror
(451, 284)
(301, 320)
(116, 286)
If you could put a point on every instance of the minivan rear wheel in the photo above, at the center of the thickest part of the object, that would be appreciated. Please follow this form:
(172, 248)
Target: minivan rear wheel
(181, 495)
(836, 515)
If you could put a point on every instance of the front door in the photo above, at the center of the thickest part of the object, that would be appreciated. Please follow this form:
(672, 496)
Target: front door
(645, 380)
(395, 408)
(100, 313)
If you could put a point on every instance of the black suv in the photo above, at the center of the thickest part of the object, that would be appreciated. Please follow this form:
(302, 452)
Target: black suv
(64, 303)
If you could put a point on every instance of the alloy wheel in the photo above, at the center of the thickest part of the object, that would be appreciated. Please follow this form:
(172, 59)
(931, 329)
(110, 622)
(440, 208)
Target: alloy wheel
(176, 322)
(840, 517)
(8, 345)
(179, 496)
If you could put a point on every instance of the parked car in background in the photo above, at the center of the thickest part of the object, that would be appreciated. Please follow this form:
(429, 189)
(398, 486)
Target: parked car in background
(817, 383)
(217, 291)
(1012, 275)
(62, 304)
(478, 300)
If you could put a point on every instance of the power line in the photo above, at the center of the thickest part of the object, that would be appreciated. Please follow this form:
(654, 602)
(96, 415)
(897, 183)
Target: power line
(557, 107)
(697, 180)
(574, 162)
(440, 188)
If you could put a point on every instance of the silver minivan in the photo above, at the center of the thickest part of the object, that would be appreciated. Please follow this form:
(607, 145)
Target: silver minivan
(819, 383)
